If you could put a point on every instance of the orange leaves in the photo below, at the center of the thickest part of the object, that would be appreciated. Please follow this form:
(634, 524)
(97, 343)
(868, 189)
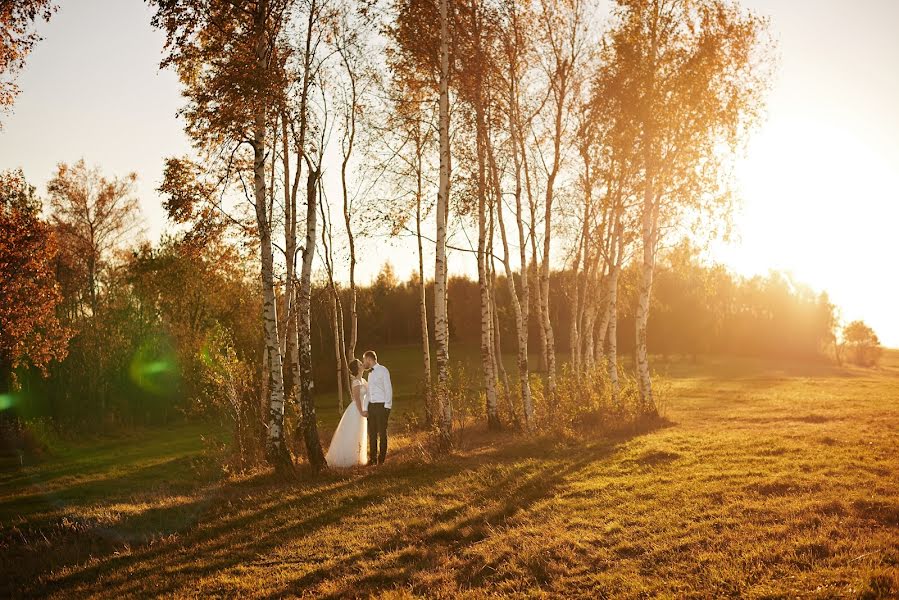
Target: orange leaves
(30, 332)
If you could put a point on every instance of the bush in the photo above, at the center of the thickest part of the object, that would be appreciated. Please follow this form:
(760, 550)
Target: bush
(585, 401)
(22, 440)
(228, 389)
(862, 344)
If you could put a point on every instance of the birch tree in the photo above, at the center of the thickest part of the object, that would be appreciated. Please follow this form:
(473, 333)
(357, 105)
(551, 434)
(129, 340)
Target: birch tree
(696, 71)
(441, 323)
(228, 58)
(474, 81)
(421, 39)
(336, 315)
(348, 32)
(562, 44)
(413, 122)
(514, 56)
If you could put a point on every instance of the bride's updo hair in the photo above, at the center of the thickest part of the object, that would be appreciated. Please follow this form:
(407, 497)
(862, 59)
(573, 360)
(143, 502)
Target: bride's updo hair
(355, 367)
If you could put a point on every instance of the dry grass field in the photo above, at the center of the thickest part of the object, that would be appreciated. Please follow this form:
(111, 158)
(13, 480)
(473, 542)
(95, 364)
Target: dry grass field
(768, 480)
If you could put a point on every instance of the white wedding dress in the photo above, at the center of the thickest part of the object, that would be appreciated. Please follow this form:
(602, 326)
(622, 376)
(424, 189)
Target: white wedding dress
(349, 445)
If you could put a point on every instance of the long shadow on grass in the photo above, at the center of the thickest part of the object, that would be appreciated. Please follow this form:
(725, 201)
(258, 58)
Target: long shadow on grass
(174, 473)
(224, 539)
(420, 548)
(81, 462)
(228, 533)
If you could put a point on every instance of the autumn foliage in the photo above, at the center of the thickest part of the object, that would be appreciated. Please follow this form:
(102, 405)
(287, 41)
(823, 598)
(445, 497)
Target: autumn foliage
(17, 38)
(30, 332)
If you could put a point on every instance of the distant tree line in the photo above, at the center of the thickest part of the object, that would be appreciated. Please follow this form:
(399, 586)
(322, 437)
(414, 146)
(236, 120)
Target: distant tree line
(699, 310)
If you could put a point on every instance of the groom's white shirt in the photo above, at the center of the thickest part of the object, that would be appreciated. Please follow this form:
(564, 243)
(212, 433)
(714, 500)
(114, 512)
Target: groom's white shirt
(380, 390)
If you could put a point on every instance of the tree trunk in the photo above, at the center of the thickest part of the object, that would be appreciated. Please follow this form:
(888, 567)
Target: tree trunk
(278, 453)
(519, 304)
(291, 372)
(645, 291)
(277, 450)
(343, 366)
(612, 355)
(538, 292)
(550, 344)
(498, 352)
(423, 303)
(496, 342)
(487, 364)
(337, 309)
(586, 301)
(338, 350)
(648, 230)
(441, 324)
(603, 331)
(588, 336)
(574, 341)
(611, 313)
(351, 136)
(308, 421)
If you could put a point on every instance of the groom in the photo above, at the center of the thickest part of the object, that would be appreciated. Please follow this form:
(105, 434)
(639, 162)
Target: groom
(376, 406)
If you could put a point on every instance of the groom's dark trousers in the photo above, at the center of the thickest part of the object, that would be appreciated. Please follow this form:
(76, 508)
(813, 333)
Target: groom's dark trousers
(377, 431)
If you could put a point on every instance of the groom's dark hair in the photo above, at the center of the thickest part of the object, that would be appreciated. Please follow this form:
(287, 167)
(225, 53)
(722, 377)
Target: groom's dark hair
(370, 354)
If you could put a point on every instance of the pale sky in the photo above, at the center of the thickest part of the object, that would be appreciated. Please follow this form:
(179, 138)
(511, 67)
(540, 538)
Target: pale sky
(820, 186)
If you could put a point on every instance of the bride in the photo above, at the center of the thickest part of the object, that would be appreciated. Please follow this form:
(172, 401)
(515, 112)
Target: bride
(349, 445)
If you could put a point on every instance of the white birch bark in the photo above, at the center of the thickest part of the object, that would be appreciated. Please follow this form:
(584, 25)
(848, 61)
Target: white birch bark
(574, 342)
(644, 294)
(602, 340)
(589, 334)
(291, 367)
(441, 324)
(308, 422)
(349, 140)
(649, 219)
(615, 260)
(520, 308)
(550, 343)
(498, 350)
(487, 364)
(277, 450)
(422, 290)
(496, 338)
(550, 346)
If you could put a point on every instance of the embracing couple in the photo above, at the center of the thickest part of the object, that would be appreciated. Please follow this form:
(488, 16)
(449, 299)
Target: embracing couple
(365, 418)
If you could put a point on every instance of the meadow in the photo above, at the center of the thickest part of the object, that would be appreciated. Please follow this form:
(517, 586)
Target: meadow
(766, 479)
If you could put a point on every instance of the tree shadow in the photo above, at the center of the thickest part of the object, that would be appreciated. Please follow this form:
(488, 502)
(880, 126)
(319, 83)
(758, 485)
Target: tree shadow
(221, 545)
(175, 473)
(418, 548)
(173, 546)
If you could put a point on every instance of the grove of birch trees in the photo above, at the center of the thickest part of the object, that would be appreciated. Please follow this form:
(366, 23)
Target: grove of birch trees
(527, 137)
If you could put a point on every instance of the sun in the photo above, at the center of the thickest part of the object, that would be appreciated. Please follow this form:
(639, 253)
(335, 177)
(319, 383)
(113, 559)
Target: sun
(822, 204)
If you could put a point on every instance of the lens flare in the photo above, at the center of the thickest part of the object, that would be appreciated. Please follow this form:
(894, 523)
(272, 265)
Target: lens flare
(154, 367)
(7, 401)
